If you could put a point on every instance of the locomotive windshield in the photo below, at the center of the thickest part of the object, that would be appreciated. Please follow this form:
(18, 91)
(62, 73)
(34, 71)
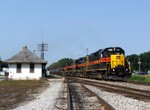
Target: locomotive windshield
(119, 51)
(112, 51)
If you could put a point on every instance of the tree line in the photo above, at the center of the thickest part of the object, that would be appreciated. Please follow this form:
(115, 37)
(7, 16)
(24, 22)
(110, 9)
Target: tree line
(143, 59)
(60, 63)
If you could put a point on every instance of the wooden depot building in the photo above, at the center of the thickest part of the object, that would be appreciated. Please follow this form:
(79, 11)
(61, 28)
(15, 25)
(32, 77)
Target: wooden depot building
(26, 65)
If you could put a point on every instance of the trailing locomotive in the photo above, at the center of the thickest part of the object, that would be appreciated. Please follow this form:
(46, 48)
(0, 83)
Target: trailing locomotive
(107, 63)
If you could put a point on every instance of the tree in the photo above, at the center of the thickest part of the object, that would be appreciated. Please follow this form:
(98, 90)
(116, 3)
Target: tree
(145, 61)
(133, 59)
(61, 63)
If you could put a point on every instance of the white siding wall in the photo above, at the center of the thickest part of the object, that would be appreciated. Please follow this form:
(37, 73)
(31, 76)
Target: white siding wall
(25, 72)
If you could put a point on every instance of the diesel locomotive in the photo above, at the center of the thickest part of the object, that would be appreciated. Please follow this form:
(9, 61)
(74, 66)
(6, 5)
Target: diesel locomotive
(107, 63)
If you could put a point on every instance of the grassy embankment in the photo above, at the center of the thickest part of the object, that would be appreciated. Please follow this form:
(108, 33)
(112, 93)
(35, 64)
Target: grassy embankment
(14, 92)
(140, 78)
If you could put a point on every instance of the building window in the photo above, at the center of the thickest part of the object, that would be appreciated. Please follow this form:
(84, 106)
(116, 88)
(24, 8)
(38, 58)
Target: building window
(19, 68)
(31, 68)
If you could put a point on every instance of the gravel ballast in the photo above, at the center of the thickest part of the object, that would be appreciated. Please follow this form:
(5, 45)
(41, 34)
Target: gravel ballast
(125, 84)
(45, 100)
(120, 102)
(54, 98)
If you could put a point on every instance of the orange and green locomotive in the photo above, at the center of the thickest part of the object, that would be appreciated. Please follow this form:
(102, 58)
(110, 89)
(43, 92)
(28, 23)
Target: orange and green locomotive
(107, 63)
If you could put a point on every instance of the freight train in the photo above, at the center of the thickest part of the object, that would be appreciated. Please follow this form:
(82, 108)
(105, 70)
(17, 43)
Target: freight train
(107, 63)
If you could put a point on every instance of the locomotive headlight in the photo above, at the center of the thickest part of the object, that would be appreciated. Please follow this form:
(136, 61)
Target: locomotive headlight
(113, 69)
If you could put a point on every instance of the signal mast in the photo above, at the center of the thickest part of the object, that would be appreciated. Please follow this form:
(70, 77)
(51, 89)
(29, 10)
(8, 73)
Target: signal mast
(42, 47)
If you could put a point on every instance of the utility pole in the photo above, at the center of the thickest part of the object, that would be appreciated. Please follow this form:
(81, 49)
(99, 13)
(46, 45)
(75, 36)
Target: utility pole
(139, 62)
(87, 50)
(42, 47)
(0, 64)
(87, 61)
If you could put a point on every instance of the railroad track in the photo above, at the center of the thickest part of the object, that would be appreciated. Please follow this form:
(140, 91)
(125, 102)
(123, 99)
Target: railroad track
(130, 92)
(81, 98)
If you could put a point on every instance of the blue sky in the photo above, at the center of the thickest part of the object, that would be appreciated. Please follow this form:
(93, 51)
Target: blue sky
(71, 26)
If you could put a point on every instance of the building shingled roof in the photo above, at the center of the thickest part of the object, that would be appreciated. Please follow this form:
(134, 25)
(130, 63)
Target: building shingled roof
(25, 56)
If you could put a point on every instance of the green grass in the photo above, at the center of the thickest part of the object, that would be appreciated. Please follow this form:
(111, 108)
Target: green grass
(140, 78)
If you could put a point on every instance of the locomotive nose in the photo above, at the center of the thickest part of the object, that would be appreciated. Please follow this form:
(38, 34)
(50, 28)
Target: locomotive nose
(117, 60)
(120, 70)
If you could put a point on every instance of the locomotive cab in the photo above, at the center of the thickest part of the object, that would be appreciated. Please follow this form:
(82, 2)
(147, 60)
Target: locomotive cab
(117, 62)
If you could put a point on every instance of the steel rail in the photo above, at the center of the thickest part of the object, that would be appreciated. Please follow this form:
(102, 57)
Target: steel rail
(70, 106)
(129, 93)
(128, 89)
(105, 105)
